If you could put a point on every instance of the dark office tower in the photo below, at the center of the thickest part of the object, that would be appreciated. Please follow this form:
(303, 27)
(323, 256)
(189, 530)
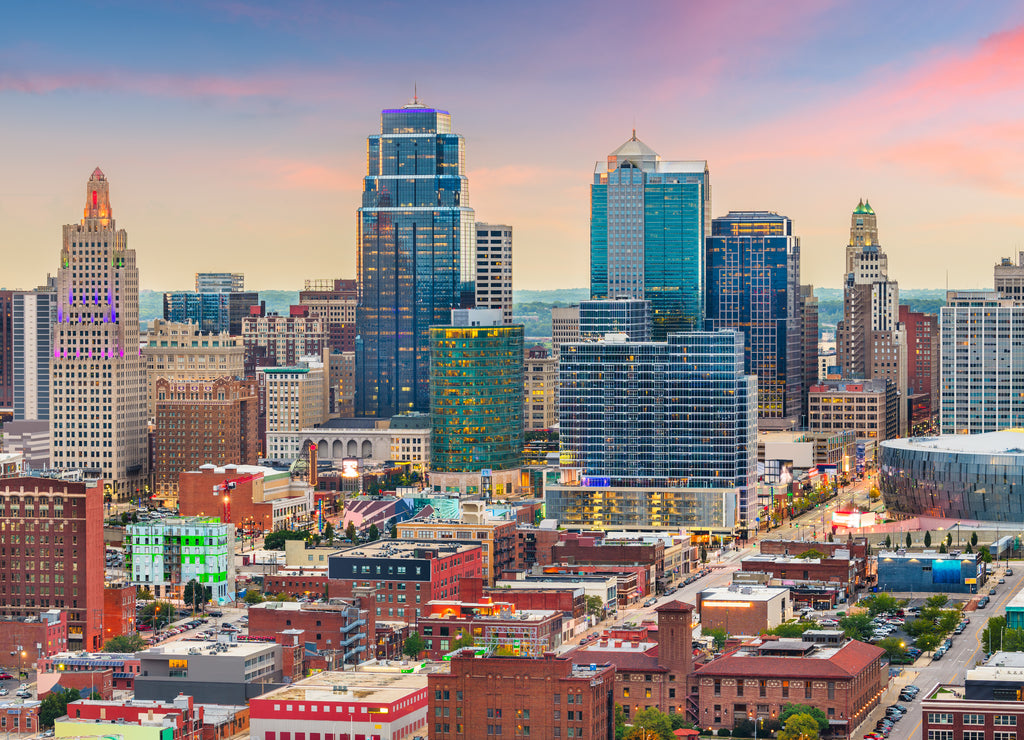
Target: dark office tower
(809, 340)
(417, 246)
(34, 313)
(6, 350)
(648, 223)
(753, 264)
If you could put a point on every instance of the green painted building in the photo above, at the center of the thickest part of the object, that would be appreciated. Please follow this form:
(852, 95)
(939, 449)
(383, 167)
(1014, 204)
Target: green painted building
(476, 394)
(165, 554)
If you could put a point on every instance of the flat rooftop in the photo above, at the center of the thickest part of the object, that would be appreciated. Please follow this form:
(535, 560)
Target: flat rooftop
(405, 548)
(382, 685)
(743, 593)
(205, 647)
(1008, 442)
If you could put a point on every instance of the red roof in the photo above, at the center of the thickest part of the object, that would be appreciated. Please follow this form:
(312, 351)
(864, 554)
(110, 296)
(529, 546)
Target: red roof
(847, 662)
(683, 732)
(675, 606)
(623, 660)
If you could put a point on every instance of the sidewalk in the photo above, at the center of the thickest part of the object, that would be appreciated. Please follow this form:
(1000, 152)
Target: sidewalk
(889, 696)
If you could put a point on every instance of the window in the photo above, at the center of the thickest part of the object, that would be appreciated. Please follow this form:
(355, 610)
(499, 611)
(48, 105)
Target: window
(718, 687)
(939, 718)
(1005, 719)
(625, 692)
(762, 688)
(974, 719)
(974, 735)
(1002, 735)
(940, 735)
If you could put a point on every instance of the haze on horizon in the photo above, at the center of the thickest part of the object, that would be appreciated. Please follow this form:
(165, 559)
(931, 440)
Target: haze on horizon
(234, 132)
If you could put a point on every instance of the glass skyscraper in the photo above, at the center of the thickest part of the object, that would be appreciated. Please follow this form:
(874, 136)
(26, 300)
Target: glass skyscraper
(648, 222)
(629, 316)
(416, 254)
(753, 274)
(656, 434)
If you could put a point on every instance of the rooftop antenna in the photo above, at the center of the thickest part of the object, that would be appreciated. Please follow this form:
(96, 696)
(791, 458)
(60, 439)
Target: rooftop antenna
(415, 94)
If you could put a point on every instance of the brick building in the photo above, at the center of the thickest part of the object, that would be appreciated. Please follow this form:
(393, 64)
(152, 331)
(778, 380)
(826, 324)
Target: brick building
(19, 717)
(262, 499)
(88, 683)
(841, 571)
(488, 696)
(633, 582)
(923, 356)
(843, 678)
(90, 667)
(407, 574)
(497, 539)
(369, 702)
(651, 670)
(857, 549)
(570, 601)
(488, 623)
(304, 583)
(343, 625)
(573, 547)
(52, 553)
(202, 422)
(118, 610)
(391, 638)
(221, 721)
(744, 610)
(27, 639)
(176, 720)
(334, 301)
(987, 707)
(531, 541)
(272, 340)
(869, 408)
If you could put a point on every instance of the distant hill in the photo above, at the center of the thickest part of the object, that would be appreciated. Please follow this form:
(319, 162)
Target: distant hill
(151, 302)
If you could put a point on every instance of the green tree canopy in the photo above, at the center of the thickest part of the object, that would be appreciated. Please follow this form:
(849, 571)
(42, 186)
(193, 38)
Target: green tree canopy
(350, 532)
(144, 594)
(789, 629)
(856, 626)
(888, 542)
(276, 539)
(328, 532)
(799, 727)
(894, 647)
(414, 645)
(812, 554)
(984, 554)
(788, 710)
(998, 637)
(158, 613)
(880, 603)
(252, 596)
(974, 539)
(910, 540)
(124, 644)
(718, 635)
(927, 539)
(56, 705)
(373, 533)
(650, 724)
(194, 595)
(927, 642)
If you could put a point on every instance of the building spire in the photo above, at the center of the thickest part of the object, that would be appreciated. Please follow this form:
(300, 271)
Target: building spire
(415, 94)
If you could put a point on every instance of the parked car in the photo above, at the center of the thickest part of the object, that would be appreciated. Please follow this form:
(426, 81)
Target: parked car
(1002, 580)
(991, 592)
(5, 676)
(215, 613)
(651, 601)
(4, 692)
(982, 602)
(1009, 572)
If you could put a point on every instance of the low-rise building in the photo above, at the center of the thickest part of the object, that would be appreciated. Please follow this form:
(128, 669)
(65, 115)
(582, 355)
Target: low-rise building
(586, 549)
(841, 571)
(27, 639)
(224, 672)
(489, 696)
(261, 499)
(758, 679)
(407, 574)
(124, 667)
(987, 707)
(604, 587)
(489, 624)
(744, 610)
(929, 570)
(652, 666)
(344, 626)
(19, 717)
(179, 719)
(857, 549)
(497, 538)
(166, 554)
(118, 609)
(371, 701)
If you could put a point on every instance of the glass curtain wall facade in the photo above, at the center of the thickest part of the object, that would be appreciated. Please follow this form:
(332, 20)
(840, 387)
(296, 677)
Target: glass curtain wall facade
(417, 255)
(648, 222)
(629, 316)
(476, 398)
(675, 417)
(753, 273)
(978, 476)
(209, 311)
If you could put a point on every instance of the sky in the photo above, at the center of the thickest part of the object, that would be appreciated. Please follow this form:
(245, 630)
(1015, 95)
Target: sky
(233, 133)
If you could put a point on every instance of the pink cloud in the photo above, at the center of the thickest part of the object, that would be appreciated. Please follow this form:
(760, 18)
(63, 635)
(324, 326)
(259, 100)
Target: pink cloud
(296, 174)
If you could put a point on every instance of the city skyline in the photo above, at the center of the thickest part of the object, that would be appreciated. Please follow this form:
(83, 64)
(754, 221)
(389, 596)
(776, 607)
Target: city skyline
(256, 134)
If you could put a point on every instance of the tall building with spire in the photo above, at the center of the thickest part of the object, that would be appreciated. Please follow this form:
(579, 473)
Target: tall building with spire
(97, 376)
(417, 255)
(648, 222)
(870, 340)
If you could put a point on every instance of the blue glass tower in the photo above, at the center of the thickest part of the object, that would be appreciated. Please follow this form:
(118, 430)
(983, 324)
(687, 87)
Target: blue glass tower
(416, 242)
(648, 223)
(753, 273)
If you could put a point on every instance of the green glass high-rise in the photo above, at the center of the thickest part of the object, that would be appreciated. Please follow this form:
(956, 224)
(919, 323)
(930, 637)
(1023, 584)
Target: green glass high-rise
(648, 222)
(476, 393)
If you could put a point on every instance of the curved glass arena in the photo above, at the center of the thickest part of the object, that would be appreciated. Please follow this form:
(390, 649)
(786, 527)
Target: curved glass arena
(956, 476)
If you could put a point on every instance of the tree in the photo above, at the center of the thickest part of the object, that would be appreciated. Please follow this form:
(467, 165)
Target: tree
(373, 534)
(949, 539)
(56, 705)
(275, 540)
(927, 539)
(350, 532)
(894, 647)
(936, 601)
(942, 547)
(394, 531)
(650, 724)
(856, 626)
(974, 539)
(874, 494)
(703, 554)
(812, 554)
(252, 596)
(888, 542)
(144, 594)
(995, 636)
(799, 727)
(328, 532)
(194, 595)
(124, 644)
(718, 635)
(462, 641)
(158, 614)
(620, 722)
(788, 629)
(788, 710)
(595, 607)
(414, 645)
(969, 549)
(679, 722)
(984, 555)
(282, 597)
(927, 642)
(910, 540)
(880, 603)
